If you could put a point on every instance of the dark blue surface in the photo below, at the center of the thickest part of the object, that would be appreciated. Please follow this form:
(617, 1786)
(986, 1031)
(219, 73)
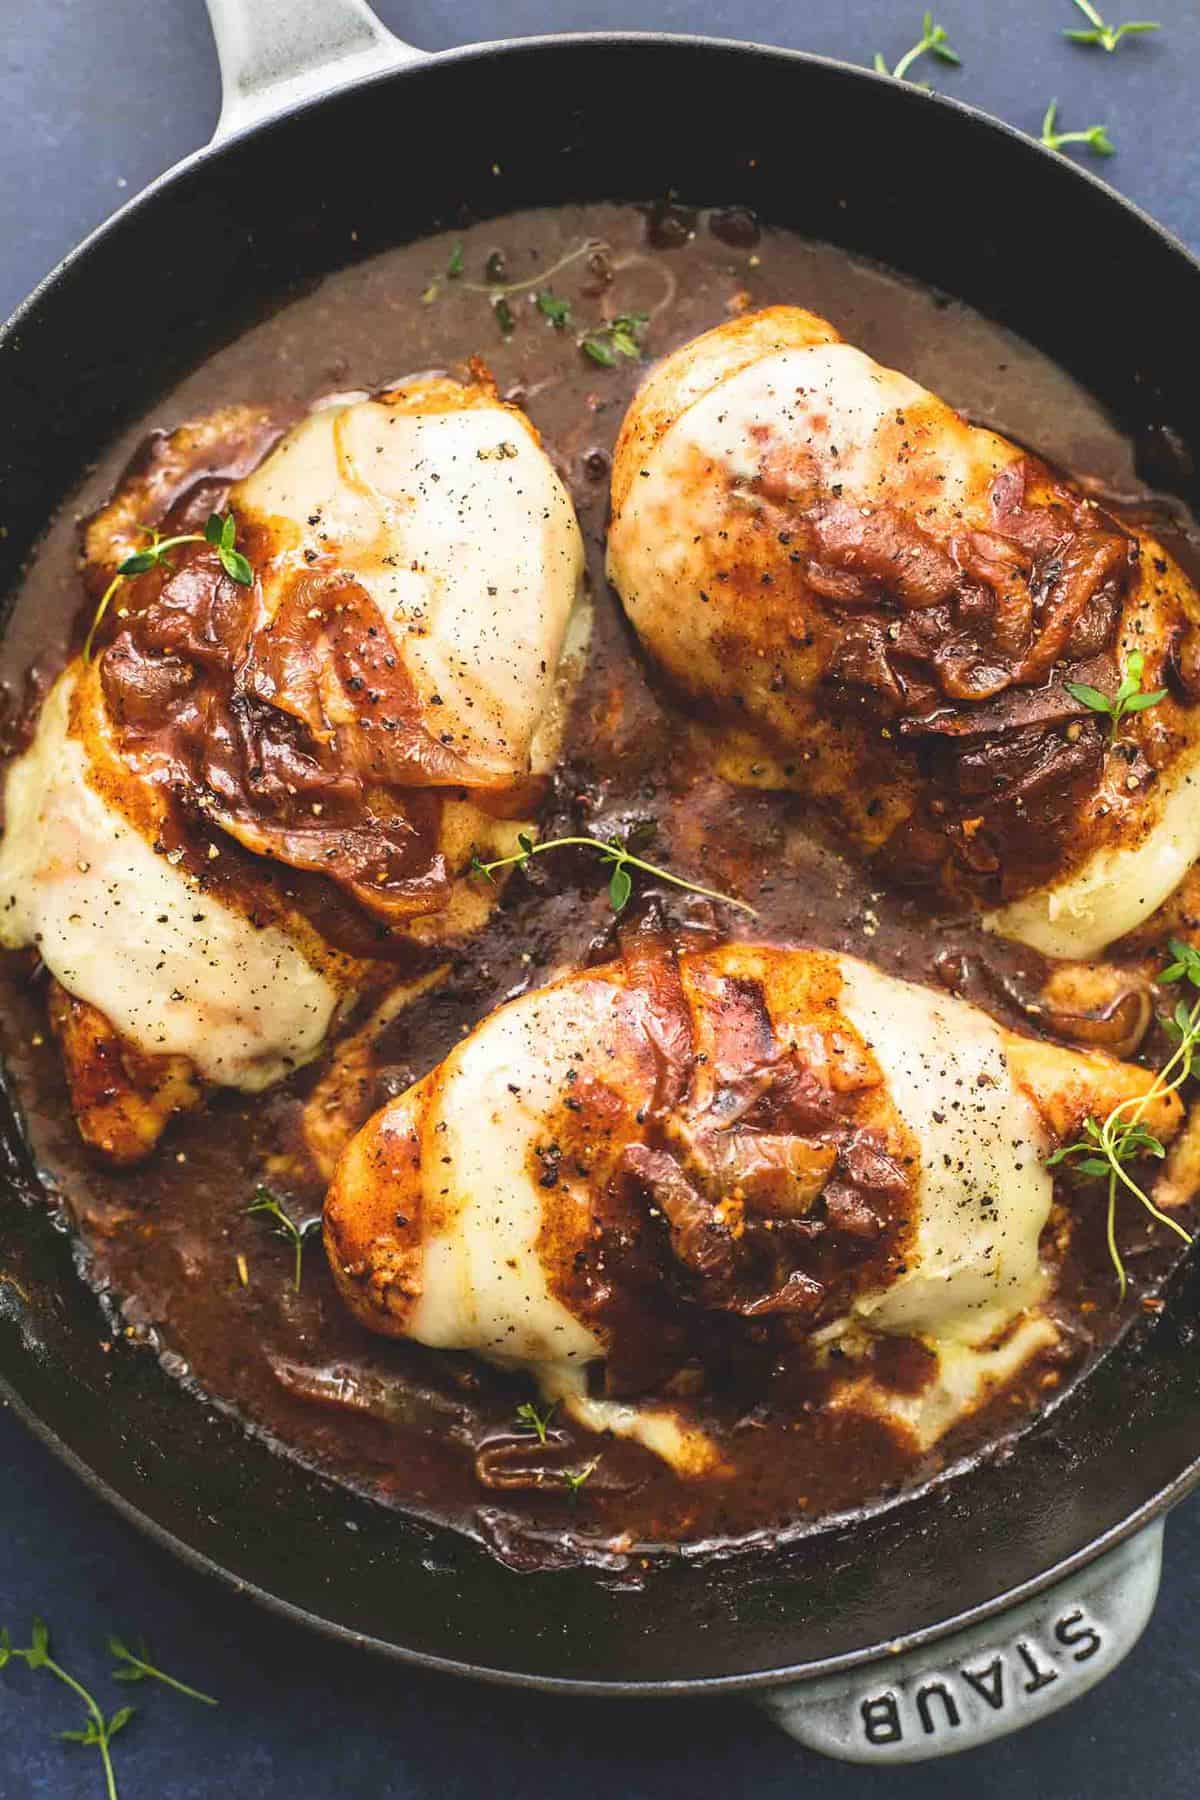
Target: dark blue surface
(96, 97)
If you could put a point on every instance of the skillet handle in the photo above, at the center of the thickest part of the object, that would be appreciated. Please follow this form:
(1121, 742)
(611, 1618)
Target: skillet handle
(987, 1680)
(275, 53)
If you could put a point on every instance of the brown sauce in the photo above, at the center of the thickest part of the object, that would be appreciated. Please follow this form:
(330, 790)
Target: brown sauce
(434, 1433)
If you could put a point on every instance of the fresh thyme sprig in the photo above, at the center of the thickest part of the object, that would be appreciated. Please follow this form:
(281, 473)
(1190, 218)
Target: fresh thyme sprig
(136, 1666)
(1107, 36)
(606, 344)
(575, 1478)
(497, 288)
(587, 248)
(1095, 137)
(220, 532)
(537, 1419)
(933, 41)
(285, 1226)
(1106, 1149)
(98, 1730)
(620, 884)
(1129, 697)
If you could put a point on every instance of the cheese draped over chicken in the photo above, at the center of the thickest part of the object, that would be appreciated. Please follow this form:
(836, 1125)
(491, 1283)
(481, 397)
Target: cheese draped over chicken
(880, 605)
(628, 1166)
(236, 810)
(135, 934)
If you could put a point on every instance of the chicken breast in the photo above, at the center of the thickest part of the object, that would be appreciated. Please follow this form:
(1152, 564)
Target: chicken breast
(627, 1166)
(122, 1098)
(440, 503)
(253, 799)
(135, 932)
(881, 606)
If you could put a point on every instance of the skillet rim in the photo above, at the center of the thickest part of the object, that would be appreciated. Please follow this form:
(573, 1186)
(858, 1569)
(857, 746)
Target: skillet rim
(687, 1687)
(1157, 1504)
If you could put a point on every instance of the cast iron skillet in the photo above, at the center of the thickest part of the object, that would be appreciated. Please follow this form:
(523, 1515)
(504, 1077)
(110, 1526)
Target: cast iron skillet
(917, 181)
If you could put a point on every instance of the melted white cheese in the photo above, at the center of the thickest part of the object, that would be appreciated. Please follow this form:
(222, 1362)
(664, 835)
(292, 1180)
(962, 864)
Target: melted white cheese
(1117, 889)
(121, 928)
(669, 1435)
(483, 1284)
(965, 1377)
(983, 1191)
(455, 522)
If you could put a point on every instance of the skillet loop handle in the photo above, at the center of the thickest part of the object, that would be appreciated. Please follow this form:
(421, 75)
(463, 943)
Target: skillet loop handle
(276, 53)
(987, 1680)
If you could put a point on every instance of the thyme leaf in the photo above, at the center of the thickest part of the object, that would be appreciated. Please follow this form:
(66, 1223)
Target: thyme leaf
(599, 351)
(620, 887)
(1187, 962)
(552, 307)
(606, 344)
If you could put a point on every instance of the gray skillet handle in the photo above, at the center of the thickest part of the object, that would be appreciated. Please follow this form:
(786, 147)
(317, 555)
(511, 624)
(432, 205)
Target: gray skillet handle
(274, 53)
(988, 1679)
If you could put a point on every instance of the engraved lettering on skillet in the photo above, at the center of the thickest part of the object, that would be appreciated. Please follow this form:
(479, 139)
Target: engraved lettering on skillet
(937, 1706)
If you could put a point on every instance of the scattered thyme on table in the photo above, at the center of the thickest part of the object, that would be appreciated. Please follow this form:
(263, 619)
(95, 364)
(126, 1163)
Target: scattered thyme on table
(98, 1731)
(1095, 137)
(1107, 37)
(932, 42)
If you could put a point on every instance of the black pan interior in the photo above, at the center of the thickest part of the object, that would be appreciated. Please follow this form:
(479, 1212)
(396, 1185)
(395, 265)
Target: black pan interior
(925, 186)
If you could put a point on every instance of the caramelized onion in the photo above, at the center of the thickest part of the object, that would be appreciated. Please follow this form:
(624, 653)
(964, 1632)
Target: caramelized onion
(400, 1401)
(300, 735)
(1100, 1005)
